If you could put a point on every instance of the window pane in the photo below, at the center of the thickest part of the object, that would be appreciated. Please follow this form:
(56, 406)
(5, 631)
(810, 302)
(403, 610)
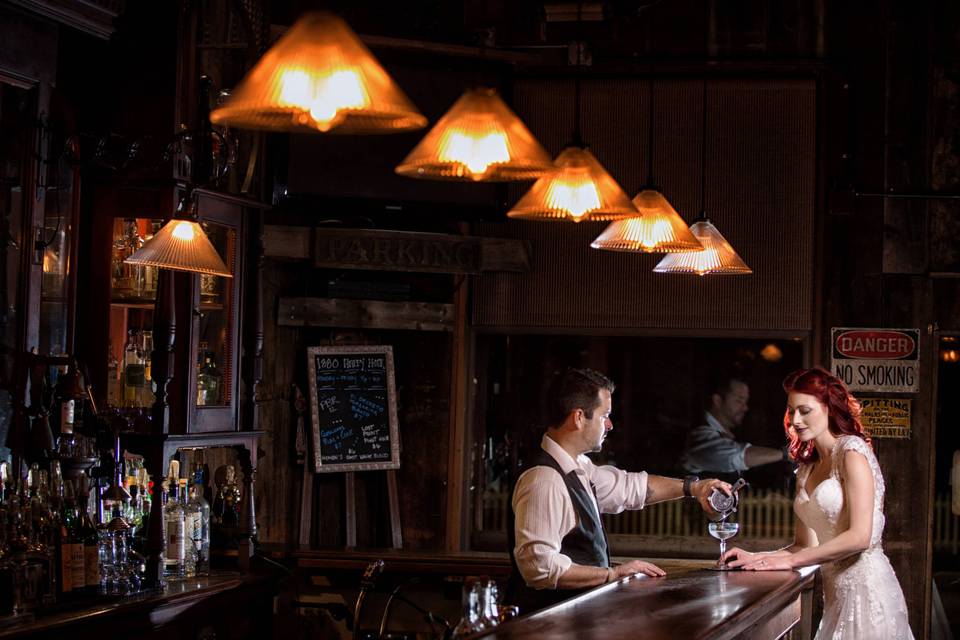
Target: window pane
(662, 393)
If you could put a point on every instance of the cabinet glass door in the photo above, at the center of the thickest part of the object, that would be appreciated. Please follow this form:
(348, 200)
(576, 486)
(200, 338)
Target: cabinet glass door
(215, 368)
(133, 290)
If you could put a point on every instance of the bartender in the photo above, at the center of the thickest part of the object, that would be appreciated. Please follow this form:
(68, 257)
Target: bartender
(557, 544)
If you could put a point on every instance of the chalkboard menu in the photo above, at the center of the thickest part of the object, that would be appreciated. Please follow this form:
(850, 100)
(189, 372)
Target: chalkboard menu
(353, 408)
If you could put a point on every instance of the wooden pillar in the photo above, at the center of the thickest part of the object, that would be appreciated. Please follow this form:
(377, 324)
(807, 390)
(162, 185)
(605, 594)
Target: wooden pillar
(253, 371)
(457, 469)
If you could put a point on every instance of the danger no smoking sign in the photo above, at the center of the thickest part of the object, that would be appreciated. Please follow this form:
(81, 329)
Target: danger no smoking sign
(884, 360)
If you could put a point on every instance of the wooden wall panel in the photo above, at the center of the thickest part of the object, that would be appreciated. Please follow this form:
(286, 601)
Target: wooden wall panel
(760, 192)
(422, 369)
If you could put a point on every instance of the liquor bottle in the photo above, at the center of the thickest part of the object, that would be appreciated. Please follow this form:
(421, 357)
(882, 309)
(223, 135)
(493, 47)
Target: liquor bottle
(200, 510)
(133, 371)
(189, 524)
(147, 396)
(208, 378)
(65, 550)
(114, 390)
(41, 581)
(228, 499)
(90, 540)
(175, 526)
(124, 275)
(150, 273)
(134, 242)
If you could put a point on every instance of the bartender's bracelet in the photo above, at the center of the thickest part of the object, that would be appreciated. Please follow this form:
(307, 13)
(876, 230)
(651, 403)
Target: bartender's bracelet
(688, 485)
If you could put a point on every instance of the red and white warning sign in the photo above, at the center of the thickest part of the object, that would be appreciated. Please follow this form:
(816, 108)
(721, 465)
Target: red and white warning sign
(885, 360)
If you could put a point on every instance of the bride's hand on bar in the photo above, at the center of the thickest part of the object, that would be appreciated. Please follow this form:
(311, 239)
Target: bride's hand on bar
(737, 558)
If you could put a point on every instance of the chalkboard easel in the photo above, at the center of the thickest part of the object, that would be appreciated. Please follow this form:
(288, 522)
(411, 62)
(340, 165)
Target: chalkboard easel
(353, 411)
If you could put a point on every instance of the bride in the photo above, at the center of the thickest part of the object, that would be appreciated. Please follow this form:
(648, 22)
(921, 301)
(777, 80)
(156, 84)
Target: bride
(839, 505)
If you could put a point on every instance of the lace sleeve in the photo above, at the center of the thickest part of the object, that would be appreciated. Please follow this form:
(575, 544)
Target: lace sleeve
(853, 443)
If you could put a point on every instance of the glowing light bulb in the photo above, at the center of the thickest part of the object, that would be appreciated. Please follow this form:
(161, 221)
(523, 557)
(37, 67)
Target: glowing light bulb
(321, 101)
(476, 150)
(183, 231)
(577, 196)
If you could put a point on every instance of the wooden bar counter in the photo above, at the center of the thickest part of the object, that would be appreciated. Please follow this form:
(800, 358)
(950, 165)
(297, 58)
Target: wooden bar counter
(195, 608)
(691, 602)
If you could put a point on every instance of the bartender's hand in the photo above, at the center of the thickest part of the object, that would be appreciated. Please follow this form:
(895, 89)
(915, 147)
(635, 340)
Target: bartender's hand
(701, 490)
(638, 566)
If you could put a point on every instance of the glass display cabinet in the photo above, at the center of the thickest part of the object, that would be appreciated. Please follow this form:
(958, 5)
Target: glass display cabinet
(204, 385)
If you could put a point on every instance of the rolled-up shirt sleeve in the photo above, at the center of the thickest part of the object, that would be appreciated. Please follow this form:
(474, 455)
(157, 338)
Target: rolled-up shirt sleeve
(543, 516)
(617, 490)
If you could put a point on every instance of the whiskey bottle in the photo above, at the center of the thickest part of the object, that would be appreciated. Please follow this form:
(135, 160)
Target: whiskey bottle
(175, 526)
(90, 539)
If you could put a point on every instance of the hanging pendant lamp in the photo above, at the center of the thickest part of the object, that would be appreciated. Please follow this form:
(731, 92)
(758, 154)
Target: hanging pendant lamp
(478, 140)
(658, 228)
(717, 256)
(181, 245)
(319, 77)
(581, 190)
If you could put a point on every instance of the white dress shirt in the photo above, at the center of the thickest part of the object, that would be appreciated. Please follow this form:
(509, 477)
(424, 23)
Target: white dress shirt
(544, 512)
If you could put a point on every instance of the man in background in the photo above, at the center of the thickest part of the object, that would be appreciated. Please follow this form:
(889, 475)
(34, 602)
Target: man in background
(712, 447)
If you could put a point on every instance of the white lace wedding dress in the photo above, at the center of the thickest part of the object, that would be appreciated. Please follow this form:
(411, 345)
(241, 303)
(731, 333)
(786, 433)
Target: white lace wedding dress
(861, 594)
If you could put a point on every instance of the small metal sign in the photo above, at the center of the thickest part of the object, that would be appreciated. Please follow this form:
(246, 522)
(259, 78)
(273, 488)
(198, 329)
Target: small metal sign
(884, 360)
(886, 417)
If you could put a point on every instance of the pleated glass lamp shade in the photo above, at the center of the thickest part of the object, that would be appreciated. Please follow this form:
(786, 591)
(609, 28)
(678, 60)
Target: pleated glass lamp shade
(181, 245)
(319, 77)
(658, 229)
(479, 139)
(716, 258)
(581, 190)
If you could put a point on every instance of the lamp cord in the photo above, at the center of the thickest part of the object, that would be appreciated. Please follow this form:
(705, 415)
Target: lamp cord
(650, 133)
(703, 130)
(577, 135)
(703, 156)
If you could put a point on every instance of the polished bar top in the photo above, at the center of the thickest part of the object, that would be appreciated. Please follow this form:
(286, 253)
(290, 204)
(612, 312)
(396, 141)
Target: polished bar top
(176, 596)
(495, 564)
(690, 602)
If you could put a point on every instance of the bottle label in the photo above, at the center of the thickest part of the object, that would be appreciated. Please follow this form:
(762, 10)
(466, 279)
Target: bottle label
(77, 572)
(91, 565)
(175, 546)
(134, 375)
(66, 416)
(66, 564)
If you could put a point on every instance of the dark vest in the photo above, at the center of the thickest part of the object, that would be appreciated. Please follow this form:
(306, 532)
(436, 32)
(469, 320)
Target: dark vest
(585, 544)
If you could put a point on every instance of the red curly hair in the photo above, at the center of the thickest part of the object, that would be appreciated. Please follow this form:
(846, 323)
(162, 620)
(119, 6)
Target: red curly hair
(843, 410)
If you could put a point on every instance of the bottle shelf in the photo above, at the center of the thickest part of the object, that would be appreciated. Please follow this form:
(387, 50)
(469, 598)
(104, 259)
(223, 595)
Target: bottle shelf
(133, 303)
